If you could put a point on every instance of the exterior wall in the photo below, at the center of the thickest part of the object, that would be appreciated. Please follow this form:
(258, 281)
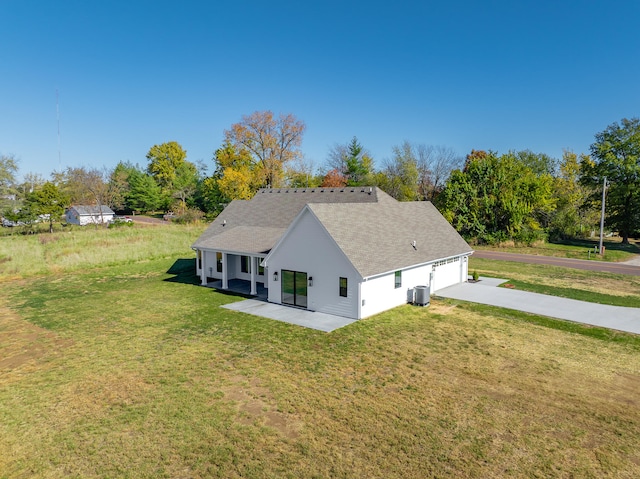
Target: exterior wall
(74, 218)
(309, 249)
(380, 294)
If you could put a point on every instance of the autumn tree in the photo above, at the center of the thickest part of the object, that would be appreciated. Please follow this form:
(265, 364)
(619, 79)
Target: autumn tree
(237, 174)
(271, 143)
(333, 179)
(616, 156)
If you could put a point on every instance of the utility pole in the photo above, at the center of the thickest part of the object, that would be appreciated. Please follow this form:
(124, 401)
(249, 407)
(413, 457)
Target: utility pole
(604, 189)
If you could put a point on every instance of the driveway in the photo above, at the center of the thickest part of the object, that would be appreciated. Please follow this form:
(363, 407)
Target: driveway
(486, 292)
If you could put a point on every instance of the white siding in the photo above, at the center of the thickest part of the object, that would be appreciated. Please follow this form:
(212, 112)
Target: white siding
(309, 249)
(380, 294)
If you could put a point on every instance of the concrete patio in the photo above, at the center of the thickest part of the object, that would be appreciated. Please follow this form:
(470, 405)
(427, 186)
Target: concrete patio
(287, 314)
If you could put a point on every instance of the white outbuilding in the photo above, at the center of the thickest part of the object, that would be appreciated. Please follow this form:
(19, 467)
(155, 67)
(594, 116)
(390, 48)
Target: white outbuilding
(89, 215)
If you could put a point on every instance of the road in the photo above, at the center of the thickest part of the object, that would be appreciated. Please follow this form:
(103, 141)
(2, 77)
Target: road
(618, 268)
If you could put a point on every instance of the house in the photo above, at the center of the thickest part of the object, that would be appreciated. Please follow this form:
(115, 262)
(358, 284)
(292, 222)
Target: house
(89, 215)
(352, 251)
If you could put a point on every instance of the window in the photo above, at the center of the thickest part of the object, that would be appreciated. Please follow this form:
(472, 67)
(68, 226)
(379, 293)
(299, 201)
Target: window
(260, 270)
(219, 262)
(398, 279)
(343, 287)
(244, 264)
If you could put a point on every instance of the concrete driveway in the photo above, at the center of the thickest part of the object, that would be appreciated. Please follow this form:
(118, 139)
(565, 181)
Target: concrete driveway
(486, 292)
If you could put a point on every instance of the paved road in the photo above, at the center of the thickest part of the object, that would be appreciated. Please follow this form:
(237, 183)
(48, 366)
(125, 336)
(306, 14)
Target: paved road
(486, 292)
(620, 268)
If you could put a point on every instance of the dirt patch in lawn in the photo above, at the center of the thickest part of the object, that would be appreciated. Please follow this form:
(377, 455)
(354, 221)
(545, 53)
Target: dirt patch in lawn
(24, 346)
(256, 404)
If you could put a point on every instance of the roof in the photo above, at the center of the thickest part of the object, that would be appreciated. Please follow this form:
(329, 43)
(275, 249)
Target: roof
(84, 210)
(378, 238)
(255, 225)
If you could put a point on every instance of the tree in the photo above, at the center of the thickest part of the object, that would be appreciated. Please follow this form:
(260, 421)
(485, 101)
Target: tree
(144, 193)
(8, 171)
(616, 155)
(237, 175)
(333, 179)
(185, 183)
(119, 184)
(353, 162)
(435, 164)
(573, 213)
(90, 186)
(401, 173)
(496, 198)
(164, 160)
(48, 201)
(271, 142)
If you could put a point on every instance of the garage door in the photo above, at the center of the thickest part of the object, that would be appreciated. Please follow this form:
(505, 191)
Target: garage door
(446, 273)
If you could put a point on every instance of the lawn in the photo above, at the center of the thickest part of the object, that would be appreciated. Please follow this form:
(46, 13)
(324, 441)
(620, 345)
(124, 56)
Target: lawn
(127, 368)
(576, 249)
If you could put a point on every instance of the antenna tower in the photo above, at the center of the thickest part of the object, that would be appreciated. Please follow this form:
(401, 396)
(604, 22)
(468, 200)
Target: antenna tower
(58, 117)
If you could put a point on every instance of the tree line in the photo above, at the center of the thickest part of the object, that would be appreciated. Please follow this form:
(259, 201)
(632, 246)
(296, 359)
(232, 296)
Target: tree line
(488, 197)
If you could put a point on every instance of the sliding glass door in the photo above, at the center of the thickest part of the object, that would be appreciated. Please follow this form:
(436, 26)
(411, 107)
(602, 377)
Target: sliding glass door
(294, 288)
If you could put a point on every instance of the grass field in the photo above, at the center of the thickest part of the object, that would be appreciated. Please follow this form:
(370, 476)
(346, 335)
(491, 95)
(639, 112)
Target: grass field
(577, 249)
(127, 368)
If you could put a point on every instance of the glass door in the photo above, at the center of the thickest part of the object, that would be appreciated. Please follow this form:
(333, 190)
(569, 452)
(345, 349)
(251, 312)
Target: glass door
(294, 288)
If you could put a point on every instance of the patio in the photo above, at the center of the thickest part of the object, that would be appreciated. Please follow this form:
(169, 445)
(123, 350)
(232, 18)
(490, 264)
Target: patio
(240, 286)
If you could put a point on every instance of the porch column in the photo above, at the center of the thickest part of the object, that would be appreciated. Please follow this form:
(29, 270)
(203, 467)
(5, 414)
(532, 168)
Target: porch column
(203, 269)
(252, 265)
(225, 274)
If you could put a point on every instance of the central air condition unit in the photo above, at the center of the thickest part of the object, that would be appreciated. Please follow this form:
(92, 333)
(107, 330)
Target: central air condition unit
(422, 296)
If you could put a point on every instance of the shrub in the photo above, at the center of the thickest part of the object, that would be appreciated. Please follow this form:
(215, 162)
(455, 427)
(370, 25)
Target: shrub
(190, 215)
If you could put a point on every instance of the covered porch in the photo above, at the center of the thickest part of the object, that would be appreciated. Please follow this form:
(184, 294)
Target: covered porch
(240, 286)
(232, 271)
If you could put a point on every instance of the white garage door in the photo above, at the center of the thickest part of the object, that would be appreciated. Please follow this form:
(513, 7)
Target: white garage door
(447, 272)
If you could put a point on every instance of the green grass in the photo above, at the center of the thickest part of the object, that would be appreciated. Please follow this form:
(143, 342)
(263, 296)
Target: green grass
(604, 288)
(615, 251)
(129, 369)
(87, 247)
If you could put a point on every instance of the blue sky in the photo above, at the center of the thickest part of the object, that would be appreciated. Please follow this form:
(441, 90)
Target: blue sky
(500, 75)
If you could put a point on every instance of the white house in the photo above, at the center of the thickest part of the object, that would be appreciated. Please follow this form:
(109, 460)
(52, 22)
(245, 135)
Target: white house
(350, 251)
(89, 215)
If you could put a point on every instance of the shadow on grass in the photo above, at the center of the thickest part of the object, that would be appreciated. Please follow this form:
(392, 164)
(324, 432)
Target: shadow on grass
(183, 271)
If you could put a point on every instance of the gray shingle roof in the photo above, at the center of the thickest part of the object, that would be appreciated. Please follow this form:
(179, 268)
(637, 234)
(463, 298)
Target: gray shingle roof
(84, 210)
(264, 218)
(378, 238)
(374, 231)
